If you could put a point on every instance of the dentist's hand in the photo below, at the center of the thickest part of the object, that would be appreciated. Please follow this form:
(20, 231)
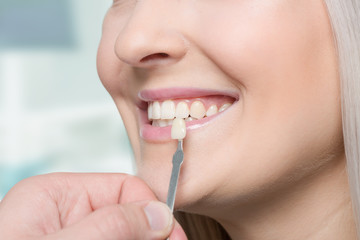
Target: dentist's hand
(85, 207)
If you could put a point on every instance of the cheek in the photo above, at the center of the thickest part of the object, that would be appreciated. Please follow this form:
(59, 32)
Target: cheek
(259, 38)
(291, 120)
(110, 68)
(281, 53)
(113, 73)
(116, 77)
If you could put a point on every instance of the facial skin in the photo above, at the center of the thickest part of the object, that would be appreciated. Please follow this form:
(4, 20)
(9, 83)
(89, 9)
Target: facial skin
(277, 56)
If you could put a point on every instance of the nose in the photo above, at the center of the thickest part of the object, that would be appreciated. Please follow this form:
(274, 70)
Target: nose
(150, 37)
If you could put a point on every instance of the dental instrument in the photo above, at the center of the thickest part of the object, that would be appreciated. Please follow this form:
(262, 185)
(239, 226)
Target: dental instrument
(178, 132)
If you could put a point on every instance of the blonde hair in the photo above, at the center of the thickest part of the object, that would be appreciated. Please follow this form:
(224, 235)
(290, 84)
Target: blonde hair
(345, 20)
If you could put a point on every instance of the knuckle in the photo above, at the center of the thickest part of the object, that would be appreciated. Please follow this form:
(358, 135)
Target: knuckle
(30, 182)
(37, 180)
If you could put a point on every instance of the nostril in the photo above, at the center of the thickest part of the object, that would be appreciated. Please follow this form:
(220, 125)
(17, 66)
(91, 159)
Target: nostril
(154, 56)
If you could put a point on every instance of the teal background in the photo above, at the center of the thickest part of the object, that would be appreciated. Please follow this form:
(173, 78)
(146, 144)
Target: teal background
(55, 115)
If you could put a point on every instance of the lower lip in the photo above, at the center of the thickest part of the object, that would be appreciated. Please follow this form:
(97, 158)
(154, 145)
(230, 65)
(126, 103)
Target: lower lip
(163, 134)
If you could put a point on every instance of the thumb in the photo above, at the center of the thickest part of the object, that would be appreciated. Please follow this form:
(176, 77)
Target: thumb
(145, 220)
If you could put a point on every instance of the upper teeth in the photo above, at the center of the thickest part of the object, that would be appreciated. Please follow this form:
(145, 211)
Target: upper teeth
(182, 110)
(197, 110)
(167, 110)
(163, 113)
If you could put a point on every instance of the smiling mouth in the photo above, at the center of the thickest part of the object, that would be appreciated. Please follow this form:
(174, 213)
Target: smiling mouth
(162, 113)
(196, 106)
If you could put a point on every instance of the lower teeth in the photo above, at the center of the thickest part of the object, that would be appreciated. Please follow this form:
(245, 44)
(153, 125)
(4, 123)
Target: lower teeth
(165, 123)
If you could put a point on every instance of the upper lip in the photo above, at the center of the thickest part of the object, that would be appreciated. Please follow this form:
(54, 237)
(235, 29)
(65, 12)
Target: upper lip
(176, 93)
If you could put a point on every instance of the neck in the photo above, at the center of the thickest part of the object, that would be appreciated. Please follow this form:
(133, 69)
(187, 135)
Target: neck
(317, 207)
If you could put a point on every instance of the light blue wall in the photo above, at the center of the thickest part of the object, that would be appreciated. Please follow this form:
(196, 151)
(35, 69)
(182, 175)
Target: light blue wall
(54, 113)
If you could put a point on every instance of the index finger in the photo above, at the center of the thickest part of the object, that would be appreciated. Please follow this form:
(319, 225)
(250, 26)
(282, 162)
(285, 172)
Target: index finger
(102, 189)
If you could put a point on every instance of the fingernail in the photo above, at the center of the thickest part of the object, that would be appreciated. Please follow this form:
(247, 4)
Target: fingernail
(158, 215)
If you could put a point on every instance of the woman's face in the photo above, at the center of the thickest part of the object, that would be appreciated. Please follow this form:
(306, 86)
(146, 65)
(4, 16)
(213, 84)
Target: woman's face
(274, 61)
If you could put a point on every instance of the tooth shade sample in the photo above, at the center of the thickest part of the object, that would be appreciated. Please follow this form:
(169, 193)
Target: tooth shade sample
(212, 110)
(156, 110)
(150, 109)
(168, 109)
(182, 110)
(178, 129)
(197, 110)
(224, 107)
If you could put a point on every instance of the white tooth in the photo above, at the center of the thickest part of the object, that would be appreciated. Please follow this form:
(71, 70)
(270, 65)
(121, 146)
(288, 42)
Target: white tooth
(168, 109)
(162, 123)
(224, 107)
(189, 119)
(156, 110)
(197, 110)
(212, 110)
(155, 123)
(182, 110)
(169, 122)
(150, 109)
(178, 130)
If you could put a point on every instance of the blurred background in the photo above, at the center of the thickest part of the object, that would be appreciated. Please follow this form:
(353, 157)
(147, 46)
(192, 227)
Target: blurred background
(54, 113)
